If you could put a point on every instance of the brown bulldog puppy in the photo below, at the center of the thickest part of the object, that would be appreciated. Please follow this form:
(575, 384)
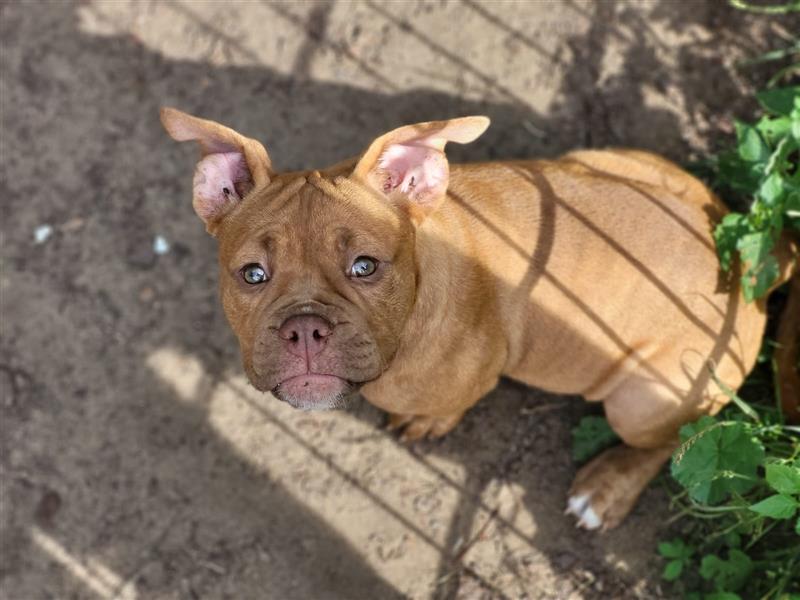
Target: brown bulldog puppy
(421, 283)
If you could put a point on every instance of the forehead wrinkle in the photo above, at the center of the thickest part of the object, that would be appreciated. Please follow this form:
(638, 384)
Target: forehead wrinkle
(288, 192)
(259, 221)
(350, 193)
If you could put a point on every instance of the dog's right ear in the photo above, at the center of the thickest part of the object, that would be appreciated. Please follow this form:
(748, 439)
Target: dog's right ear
(231, 164)
(408, 165)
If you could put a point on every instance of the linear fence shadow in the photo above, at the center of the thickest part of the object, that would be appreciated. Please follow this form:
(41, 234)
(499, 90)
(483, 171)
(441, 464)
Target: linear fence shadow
(103, 458)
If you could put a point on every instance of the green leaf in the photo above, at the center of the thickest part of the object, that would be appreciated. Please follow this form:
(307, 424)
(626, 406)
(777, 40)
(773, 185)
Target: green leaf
(757, 280)
(777, 507)
(722, 596)
(771, 189)
(784, 479)
(761, 269)
(797, 526)
(728, 575)
(675, 549)
(739, 174)
(750, 144)
(779, 101)
(755, 247)
(726, 235)
(592, 435)
(773, 129)
(716, 458)
(673, 570)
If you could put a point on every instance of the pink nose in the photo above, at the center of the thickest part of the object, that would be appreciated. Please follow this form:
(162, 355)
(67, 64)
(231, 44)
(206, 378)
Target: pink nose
(306, 335)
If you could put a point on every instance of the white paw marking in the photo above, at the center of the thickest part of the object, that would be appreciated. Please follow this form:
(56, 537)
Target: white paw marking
(580, 507)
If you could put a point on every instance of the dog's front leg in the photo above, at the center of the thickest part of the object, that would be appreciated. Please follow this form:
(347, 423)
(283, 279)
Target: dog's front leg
(417, 427)
(428, 413)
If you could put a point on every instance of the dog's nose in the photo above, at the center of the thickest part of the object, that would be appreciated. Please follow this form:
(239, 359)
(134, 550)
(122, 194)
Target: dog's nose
(305, 335)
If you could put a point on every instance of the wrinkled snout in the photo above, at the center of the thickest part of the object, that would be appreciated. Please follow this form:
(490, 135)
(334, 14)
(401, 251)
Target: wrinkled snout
(312, 357)
(305, 336)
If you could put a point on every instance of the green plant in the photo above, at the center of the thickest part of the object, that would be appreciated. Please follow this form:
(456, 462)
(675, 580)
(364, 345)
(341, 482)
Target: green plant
(739, 472)
(764, 166)
(739, 504)
(736, 477)
(592, 435)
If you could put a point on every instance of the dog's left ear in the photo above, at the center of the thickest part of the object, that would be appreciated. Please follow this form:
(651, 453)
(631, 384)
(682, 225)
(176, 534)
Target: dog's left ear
(408, 165)
(230, 166)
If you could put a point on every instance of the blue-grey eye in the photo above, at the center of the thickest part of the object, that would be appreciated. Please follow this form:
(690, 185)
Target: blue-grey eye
(254, 274)
(363, 266)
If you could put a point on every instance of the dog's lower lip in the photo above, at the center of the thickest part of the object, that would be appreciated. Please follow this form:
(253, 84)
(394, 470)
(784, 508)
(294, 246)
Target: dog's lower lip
(320, 375)
(315, 375)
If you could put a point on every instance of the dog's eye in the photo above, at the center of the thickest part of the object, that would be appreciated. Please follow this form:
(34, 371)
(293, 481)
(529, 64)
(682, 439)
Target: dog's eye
(363, 266)
(254, 274)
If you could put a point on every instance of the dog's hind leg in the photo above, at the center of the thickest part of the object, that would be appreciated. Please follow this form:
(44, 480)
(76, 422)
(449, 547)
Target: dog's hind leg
(605, 490)
(647, 409)
(646, 415)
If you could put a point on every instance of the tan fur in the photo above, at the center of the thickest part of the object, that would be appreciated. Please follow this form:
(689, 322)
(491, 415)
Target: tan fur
(593, 274)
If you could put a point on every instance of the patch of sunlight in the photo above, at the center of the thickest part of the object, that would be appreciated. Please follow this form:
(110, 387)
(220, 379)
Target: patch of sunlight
(217, 33)
(182, 372)
(394, 508)
(96, 576)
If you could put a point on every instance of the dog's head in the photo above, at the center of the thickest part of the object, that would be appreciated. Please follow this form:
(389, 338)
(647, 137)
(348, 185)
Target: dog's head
(318, 269)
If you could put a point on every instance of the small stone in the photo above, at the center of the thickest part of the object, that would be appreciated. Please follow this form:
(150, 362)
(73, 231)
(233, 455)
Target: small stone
(146, 295)
(42, 233)
(160, 245)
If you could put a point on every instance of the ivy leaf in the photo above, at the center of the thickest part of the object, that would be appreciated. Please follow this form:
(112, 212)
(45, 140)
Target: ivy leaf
(726, 234)
(757, 280)
(761, 269)
(755, 247)
(779, 101)
(673, 570)
(777, 507)
(675, 549)
(739, 174)
(784, 479)
(750, 145)
(771, 189)
(716, 458)
(728, 575)
(592, 435)
(774, 129)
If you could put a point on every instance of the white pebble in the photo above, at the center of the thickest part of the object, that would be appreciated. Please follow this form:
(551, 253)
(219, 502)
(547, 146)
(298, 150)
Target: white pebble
(160, 245)
(42, 233)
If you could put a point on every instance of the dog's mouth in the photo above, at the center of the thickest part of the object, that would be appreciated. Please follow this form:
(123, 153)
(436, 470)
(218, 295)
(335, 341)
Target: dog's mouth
(313, 391)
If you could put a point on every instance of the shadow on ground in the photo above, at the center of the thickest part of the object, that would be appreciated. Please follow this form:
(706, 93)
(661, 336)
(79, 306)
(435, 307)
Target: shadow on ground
(100, 457)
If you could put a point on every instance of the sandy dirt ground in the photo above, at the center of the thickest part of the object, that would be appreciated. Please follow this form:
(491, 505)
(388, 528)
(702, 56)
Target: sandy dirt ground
(136, 462)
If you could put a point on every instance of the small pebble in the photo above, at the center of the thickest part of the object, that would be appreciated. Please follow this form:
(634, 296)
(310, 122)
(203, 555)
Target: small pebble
(160, 245)
(42, 233)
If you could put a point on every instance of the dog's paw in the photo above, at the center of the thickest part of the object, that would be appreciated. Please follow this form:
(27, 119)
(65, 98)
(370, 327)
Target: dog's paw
(579, 506)
(417, 427)
(606, 489)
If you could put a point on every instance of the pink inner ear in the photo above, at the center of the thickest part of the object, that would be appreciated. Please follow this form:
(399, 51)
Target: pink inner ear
(219, 179)
(419, 171)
